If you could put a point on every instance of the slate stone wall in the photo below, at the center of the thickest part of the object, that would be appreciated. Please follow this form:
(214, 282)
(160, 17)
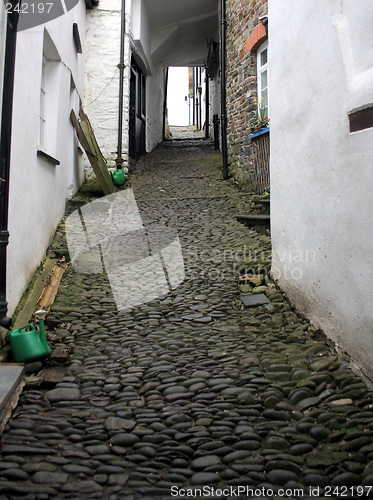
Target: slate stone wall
(242, 19)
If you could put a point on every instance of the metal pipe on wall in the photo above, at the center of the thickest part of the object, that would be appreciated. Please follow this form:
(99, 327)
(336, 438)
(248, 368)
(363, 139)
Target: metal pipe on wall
(121, 67)
(5, 149)
(165, 105)
(207, 121)
(196, 99)
(223, 92)
(200, 98)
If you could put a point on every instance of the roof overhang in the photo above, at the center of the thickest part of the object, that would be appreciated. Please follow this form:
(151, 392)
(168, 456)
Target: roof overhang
(181, 30)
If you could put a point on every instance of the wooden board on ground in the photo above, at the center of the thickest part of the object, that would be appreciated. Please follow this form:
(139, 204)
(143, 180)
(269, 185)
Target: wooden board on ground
(95, 157)
(49, 292)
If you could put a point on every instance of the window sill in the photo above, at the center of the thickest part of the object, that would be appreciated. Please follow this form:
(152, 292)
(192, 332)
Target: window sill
(259, 132)
(50, 159)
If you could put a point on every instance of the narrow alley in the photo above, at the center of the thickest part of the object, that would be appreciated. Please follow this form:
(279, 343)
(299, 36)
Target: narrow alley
(190, 395)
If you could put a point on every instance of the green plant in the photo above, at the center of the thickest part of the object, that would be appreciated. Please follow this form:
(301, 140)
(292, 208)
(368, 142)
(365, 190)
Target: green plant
(260, 120)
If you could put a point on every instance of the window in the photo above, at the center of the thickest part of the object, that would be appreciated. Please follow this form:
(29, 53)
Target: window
(49, 91)
(43, 102)
(262, 72)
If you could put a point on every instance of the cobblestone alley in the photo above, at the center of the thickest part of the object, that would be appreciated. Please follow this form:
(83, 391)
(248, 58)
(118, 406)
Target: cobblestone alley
(190, 394)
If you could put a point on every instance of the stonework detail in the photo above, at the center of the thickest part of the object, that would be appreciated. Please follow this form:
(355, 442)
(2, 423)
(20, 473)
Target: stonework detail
(257, 37)
(242, 21)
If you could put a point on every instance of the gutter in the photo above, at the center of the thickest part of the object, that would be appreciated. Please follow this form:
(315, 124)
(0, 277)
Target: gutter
(5, 149)
(223, 92)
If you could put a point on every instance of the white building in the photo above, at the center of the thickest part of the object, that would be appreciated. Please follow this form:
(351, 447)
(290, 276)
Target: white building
(46, 166)
(179, 100)
(321, 81)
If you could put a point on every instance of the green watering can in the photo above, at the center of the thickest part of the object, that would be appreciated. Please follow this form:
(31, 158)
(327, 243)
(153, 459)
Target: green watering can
(27, 343)
(118, 177)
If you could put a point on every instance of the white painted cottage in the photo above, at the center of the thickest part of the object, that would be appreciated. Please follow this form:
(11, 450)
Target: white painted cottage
(46, 164)
(321, 99)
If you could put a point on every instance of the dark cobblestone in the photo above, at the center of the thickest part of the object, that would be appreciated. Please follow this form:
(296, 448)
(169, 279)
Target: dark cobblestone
(190, 389)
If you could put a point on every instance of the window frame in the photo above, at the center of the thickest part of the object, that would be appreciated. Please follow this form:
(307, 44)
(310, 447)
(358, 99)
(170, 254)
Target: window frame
(43, 105)
(260, 70)
(50, 86)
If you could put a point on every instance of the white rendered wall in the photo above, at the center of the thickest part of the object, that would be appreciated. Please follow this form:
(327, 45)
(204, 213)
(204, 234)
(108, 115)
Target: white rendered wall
(203, 97)
(155, 85)
(178, 89)
(38, 189)
(321, 67)
(215, 103)
(140, 33)
(140, 36)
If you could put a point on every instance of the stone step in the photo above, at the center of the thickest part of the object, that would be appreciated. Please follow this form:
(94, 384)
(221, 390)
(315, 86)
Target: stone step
(264, 201)
(253, 219)
(12, 382)
(258, 222)
(263, 204)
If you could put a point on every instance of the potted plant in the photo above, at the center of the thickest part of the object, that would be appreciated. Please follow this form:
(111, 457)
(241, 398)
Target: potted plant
(260, 120)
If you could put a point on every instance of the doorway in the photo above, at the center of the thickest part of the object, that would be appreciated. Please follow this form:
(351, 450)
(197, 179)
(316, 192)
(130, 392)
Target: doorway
(137, 117)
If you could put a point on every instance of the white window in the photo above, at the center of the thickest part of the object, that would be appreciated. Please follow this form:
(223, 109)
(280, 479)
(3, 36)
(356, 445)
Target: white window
(49, 92)
(43, 104)
(262, 72)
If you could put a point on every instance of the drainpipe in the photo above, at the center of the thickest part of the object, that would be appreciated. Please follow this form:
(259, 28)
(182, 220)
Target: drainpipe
(200, 99)
(165, 105)
(223, 93)
(121, 67)
(197, 101)
(207, 122)
(5, 145)
(194, 98)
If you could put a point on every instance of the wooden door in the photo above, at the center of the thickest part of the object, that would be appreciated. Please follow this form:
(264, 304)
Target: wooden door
(137, 118)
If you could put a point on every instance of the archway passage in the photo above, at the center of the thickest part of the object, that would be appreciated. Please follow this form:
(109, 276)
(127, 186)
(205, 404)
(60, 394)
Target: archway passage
(181, 38)
(187, 103)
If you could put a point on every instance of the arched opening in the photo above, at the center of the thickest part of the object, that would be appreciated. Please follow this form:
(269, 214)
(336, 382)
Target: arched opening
(187, 103)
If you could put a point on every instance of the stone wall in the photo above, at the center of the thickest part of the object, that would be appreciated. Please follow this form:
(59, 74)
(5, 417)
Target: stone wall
(102, 75)
(242, 19)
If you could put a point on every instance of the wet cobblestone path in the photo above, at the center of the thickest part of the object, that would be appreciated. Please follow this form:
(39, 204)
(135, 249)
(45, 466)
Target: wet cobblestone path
(190, 392)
